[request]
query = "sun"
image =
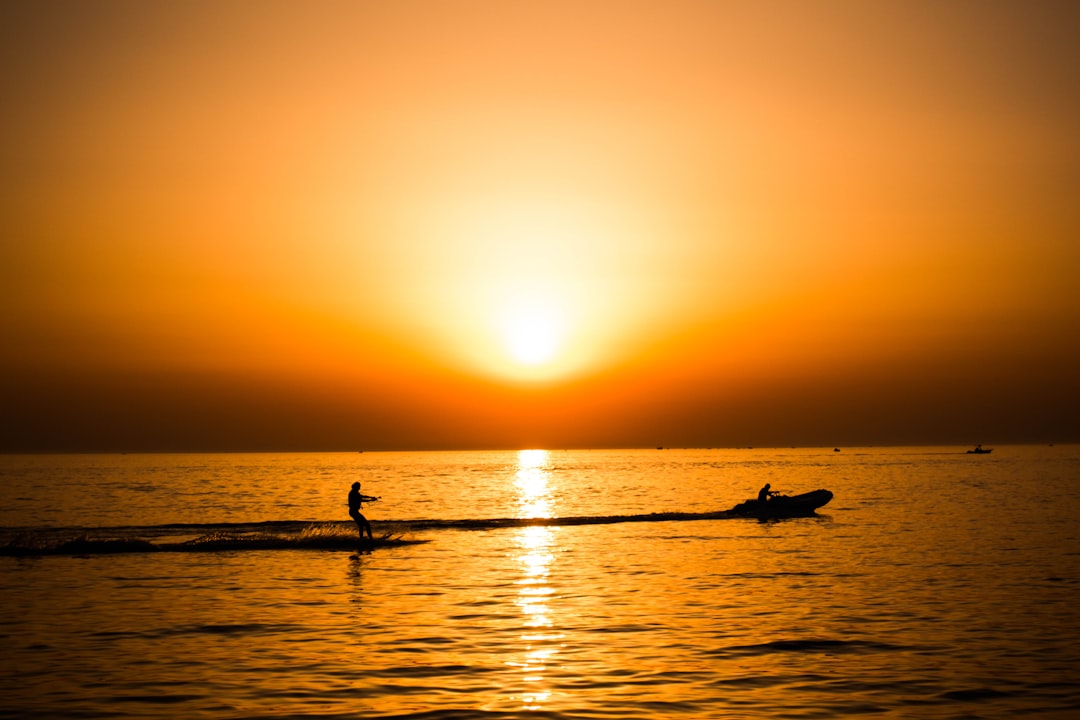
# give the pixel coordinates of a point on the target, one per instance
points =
(532, 334)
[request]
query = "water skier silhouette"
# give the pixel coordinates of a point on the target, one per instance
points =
(356, 501)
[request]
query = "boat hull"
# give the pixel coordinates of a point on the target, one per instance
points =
(783, 506)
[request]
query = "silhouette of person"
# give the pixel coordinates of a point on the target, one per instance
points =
(356, 501)
(765, 493)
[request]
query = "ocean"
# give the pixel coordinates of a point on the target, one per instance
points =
(935, 584)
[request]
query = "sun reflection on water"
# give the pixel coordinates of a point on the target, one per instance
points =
(534, 495)
(542, 642)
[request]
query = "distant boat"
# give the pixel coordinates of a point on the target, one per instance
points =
(978, 450)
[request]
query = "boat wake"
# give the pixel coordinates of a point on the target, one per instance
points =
(106, 541)
(497, 523)
(296, 535)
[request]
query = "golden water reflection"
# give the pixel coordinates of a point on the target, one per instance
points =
(536, 545)
(531, 480)
(542, 642)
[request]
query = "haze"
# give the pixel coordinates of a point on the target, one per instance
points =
(426, 225)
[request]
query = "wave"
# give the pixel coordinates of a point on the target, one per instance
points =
(285, 534)
(497, 523)
(102, 541)
(809, 646)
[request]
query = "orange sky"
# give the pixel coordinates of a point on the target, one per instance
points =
(410, 225)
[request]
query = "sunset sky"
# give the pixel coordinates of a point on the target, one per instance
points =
(426, 225)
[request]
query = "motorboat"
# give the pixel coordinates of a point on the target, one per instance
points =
(784, 506)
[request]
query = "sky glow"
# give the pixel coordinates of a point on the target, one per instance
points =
(420, 225)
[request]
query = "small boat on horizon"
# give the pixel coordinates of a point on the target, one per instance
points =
(978, 450)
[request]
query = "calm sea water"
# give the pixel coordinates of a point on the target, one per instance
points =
(935, 585)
